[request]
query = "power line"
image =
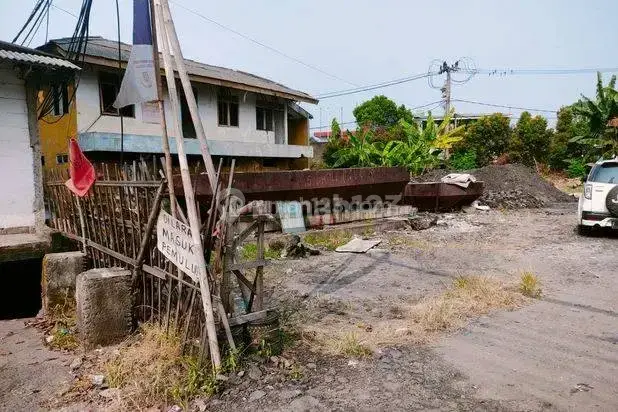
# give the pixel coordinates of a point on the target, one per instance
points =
(504, 106)
(506, 72)
(259, 43)
(64, 10)
(434, 104)
(373, 86)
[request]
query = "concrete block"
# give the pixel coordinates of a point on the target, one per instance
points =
(58, 274)
(104, 306)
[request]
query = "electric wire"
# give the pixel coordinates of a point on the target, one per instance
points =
(261, 44)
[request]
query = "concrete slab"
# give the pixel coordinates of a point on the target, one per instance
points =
(358, 245)
(24, 246)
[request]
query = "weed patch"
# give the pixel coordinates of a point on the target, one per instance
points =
(62, 335)
(529, 285)
(151, 370)
(249, 252)
(350, 346)
(329, 240)
(469, 296)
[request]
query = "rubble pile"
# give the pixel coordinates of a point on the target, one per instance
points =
(510, 186)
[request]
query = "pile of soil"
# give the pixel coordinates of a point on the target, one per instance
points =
(511, 186)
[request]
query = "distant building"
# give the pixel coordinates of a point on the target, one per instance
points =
(24, 72)
(459, 119)
(250, 118)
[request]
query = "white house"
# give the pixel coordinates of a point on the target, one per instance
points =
(244, 116)
(23, 72)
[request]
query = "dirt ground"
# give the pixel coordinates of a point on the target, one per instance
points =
(554, 353)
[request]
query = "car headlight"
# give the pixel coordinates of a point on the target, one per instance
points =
(588, 191)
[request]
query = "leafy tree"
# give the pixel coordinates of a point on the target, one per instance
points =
(335, 129)
(488, 137)
(530, 141)
(381, 111)
(562, 149)
(601, 139)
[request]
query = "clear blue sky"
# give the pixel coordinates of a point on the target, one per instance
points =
(367, 42)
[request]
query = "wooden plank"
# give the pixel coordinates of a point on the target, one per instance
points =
(160, 273)
(118, 183)
(102, 248)
(248, 265)
(244, 280)
(249, 317)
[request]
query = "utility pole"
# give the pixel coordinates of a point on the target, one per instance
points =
(446, 93)
(446, 89)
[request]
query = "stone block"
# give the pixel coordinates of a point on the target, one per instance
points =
(104, 305)
(58, 274)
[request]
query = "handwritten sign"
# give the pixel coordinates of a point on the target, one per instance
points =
(174, 240)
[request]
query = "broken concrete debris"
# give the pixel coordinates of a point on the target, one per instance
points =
(294, 248)
(422, 221)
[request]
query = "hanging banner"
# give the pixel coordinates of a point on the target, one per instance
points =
(139, 83)
(175, 242)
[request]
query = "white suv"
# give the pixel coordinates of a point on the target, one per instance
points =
(598, 207)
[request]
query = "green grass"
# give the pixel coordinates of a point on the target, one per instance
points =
(249, 252)
(352, 347)
(329, 240)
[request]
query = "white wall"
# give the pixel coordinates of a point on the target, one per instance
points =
(16, 164)
(88, 107)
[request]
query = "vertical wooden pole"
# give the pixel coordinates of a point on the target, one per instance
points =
(188, 191)
(160, 103)
(186, 85)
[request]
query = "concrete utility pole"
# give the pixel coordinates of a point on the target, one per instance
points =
(446, 89)
(446, 94)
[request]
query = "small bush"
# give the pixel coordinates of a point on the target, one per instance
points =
(464, 160)
(577, 168)
(529, 285)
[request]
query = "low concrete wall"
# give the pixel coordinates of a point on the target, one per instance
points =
(104, 305)
(58, 275)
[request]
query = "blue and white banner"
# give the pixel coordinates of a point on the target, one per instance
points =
(139, 83)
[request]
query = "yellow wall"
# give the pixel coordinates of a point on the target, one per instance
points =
(55, 132)
(298, 135)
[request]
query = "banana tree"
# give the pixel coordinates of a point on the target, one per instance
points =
(360, 152)
(602, 139)
(423, 147)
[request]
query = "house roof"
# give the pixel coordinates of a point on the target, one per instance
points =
(21, 54)
(105, 52)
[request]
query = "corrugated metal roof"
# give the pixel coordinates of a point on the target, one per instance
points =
(21, 54)
(108, 49)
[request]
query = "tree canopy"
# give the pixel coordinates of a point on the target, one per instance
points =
(381, 111)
